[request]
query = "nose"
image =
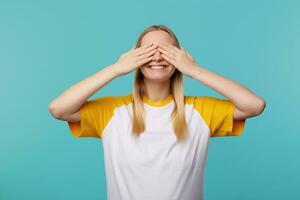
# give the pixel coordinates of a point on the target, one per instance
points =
(157, 56)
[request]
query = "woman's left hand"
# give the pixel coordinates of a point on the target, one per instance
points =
(180, 58)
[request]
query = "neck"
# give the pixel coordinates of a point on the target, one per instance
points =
(157, 91)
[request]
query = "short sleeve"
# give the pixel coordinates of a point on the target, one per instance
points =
(218, 115)
(94, 116)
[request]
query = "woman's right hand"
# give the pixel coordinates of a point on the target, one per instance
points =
(134, 58)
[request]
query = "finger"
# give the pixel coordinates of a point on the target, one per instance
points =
(169, 49)
(146, 46)
(150, 53)
(149, 45)
(189, 55)
(151, 48)
(172, 48)
(170, 60)
(138, 49)
(145, 49)
(183, 49)
(143, 61)
(169, 54)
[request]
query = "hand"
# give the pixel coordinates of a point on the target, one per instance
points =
(134, 58)
(180, 58)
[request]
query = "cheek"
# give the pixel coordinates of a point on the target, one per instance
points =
(172, 68)
(142, 70)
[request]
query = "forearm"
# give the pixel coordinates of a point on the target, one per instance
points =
(240, 96)
(75, 96)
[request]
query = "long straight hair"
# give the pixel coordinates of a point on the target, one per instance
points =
(179, 124)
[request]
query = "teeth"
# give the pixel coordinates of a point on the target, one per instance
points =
(157, 67)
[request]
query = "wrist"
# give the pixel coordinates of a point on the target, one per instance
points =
(114, 68)
(195, 70)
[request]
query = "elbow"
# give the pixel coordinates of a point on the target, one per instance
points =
(260, 106)
(255, 108)
(54, 111)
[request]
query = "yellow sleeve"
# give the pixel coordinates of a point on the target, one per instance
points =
(218, 115)
(94, 116)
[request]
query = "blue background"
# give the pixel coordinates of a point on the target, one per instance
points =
(47, 46)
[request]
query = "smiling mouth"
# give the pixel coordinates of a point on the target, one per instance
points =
(157, 67)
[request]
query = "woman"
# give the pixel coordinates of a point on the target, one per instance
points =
(155, 139)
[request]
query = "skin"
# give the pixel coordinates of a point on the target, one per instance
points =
(157, 81)
(67, 105)
(246, 103)
(156, 49)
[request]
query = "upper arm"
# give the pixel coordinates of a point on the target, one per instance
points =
(239, 115)
(221, 116)
(92, 117)
(75, 117)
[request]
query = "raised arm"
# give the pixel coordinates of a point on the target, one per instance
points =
(66, 106)
(247, 104)
(68, 103)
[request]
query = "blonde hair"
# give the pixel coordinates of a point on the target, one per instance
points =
(179, 124)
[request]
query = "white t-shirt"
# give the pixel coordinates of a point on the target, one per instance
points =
(154, 166)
